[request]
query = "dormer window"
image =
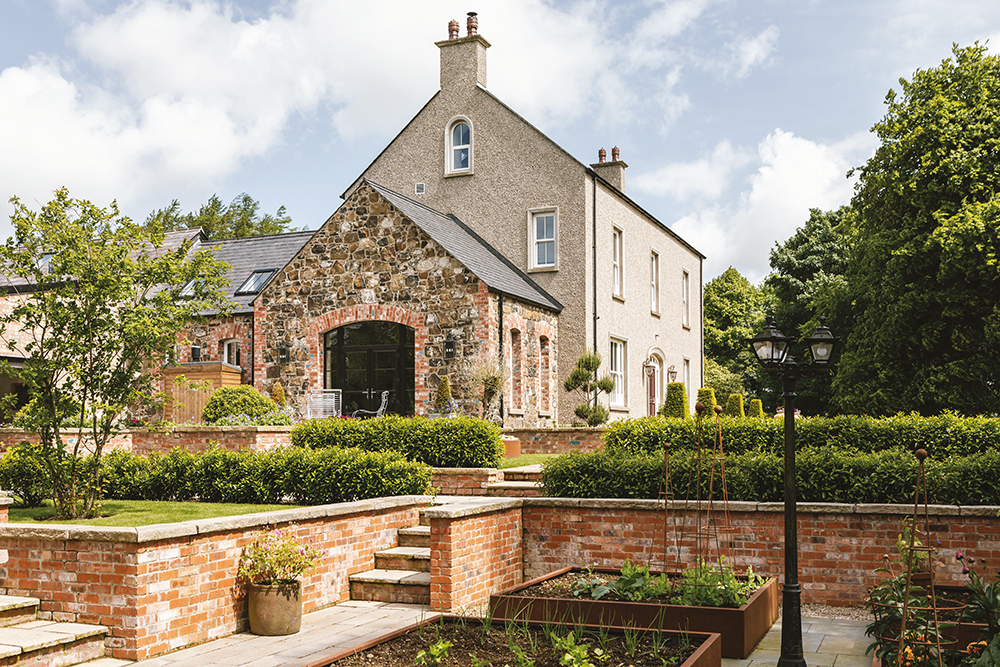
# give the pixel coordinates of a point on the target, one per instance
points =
(459, 158)
(256, 280)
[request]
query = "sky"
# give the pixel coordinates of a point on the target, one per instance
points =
(735, 117)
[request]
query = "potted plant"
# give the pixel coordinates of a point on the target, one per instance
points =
(982, 607)
(270, 567)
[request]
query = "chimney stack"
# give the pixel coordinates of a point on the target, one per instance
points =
(463, 59)
(613, 172)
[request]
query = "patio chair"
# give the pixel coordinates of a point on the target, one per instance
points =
(375, 413)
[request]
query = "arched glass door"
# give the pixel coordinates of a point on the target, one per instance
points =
(366, 358)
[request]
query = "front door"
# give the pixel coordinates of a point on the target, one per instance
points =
(365, 359)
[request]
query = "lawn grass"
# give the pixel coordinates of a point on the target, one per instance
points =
(525, 460)
(132, 513)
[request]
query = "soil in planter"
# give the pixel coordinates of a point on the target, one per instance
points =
(562, 587)
(494, 647)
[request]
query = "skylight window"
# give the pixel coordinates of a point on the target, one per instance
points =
(256, 280)
(188, 289)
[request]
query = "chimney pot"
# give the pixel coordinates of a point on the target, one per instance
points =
(472, 24)
(453, 29)
(614, 154)
(602, 155)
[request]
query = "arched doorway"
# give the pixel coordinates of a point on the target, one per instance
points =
(654, 380)
(364, 359)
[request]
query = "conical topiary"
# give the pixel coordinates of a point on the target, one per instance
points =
(734, 406)
(443, 394)
(706, 395)
(756, 409)
(278, 394)
(676, 403)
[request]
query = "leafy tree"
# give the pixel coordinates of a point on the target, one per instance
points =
(584, 378)
(240, 219)
(808, 280)
(721, 379)
(95, 302)
(924, 277)
(733, 312)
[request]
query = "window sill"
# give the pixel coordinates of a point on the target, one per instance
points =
(544, 413)
(518, 412)
(618, 408)
(453, 174)
(655, 313)
(619, 298)
(544, 269)
(686, 327)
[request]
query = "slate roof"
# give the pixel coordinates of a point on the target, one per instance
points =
(255, 253)
(470, 249)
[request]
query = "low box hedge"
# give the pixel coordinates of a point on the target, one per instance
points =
(823, 474)
(455, 442)
(942, 436)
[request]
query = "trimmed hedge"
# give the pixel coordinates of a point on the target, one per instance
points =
(823, 474)
(942, 436)
(23, 471)
(676, 402)
(237, 400)
(456, 442)
(309, 477)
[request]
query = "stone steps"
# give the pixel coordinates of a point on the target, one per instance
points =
(404, 586)
(26, 641)
(532, 473)
(417, 536)
(417, 559)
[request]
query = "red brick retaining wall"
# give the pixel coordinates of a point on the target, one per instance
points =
(839, 545)
(159, 588)
(463, 481)
(475, 551)
(558, 440)
(201, 437)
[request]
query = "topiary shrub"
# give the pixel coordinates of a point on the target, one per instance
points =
(23, 471)
(756, 410)
(443, 396)
(278, 394)
(706, 396)
(676, 402)
(239, 400)
(734, 406)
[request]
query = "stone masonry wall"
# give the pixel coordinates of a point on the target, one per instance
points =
(369, 262)
(159, 588)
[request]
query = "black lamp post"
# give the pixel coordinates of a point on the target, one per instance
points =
(771, 349)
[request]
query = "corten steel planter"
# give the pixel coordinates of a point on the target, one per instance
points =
(708, 653)
(275, 609)
(740, 628)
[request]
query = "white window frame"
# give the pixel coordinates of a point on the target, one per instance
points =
(654, 282)
(686, 377)
(686, 300)
(617, 278)
(450, 147)
(534, 241)
(231, 351)
(255, 281)
(617, 370)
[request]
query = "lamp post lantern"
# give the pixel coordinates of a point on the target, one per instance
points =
(771, 348)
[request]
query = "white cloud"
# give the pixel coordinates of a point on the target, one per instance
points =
(793, 175)
(747, 53)
(705, 177)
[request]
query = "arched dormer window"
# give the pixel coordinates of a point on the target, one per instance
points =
(459, 158)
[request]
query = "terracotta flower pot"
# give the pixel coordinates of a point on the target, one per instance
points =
(275, 609)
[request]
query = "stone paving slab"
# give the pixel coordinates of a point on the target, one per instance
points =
(825, 643)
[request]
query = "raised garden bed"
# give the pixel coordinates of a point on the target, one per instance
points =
(741, 628)
(493, 645)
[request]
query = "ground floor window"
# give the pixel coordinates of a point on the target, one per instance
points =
(616, 369)
(364, 359)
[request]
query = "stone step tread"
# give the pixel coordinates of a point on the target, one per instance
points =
(415, 530)
(512, 485)
(416, 553)
(36, 635)
(406, 577)
(8, 602)
(107, 662)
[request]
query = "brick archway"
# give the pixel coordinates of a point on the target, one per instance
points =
(341, 316)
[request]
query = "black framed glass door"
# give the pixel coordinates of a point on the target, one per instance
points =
(366, 358)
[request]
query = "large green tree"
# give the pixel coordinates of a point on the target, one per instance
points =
(807, 281)
(96, 306)
(924, 278)
(733, 312)
(239, 219)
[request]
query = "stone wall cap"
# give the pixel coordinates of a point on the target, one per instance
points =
(68, 532)
(464, 471)
(473, 506)
(980, 510)
(166, 531)
(619, 503)
(887, 508)
(551, 502)
(6, 500)
(770, 507)
(825, 508)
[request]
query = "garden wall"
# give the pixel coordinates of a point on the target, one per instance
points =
(463, 481)
(194, 438)
(557, 440)
(159, 588)
(839, 545)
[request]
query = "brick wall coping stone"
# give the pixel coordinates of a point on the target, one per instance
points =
(553, 429)
(465, 471)
(196, 428)
(6, 500)
(458, 507)
(156, 532)
(742, 506)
